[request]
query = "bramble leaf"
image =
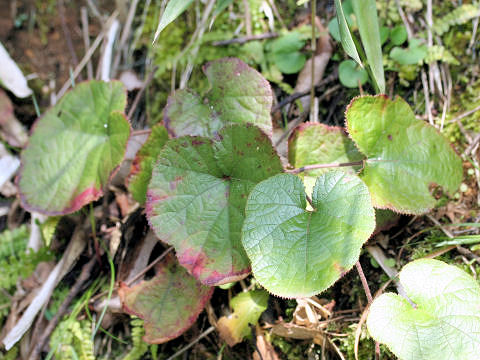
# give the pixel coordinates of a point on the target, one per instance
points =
(197, 195)
(443, 324)
(238, 94)
(247, 308)
(142, 165)
(74, 149)
(405, 156)
(299, 253)
(169, 303)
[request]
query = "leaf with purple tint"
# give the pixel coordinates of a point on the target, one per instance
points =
(238, 94)
(169, 303)
(196, 198)
(74, 149)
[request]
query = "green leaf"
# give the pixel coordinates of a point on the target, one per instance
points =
(286, 55)
(405, 156)
(247, 308)
(74, 149)
(444, 324)
(169, 303)
(345, 35)
(173, 10)
(384, 34)
(412, 55)
(238, 94)
(142, 165)
(314, 143)
(398, 35)
(299, 253)
(366, 14)
(350, 74)
(197, 196)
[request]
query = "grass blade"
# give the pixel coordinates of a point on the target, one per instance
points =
(345, 35)
(367, 20)
(173, 10)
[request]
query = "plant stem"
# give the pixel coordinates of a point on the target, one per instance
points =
(314, 48)
(364, 282)
(323, 166)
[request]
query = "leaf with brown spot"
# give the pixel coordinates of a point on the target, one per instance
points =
(197, 195)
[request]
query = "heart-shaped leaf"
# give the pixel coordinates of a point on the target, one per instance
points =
(142, 165)
(315, 143)
(405, 156)
(286, 53)
(299, 253)
(196, 198)
(74, 148)
(247, 308)
(238, 94)
(444, 323)
(169, 303)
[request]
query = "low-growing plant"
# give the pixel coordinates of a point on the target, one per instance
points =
(216, 190)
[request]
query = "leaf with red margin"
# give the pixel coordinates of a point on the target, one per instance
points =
(238, 94)
(74, 149)
(169, 303)
(196, 198)
(142, 165)
(405, 156)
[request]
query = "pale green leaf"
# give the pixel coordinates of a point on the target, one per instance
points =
(443, 323)
(299, 253)
(247, 308)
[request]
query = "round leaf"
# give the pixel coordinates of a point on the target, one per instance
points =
(238, 94)
(398, 35)
(350, 74)
(444, 324)
(169, 303)
(197, 195)
(142, 165)
(286, 53)
(405, 156)
(74, 148)
(299, 253)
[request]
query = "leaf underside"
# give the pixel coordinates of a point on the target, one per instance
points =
(443, 325)
(169, 303)
(405, 156)
(238, 94)
(74, 148)
(299, 253)
(197, 195)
